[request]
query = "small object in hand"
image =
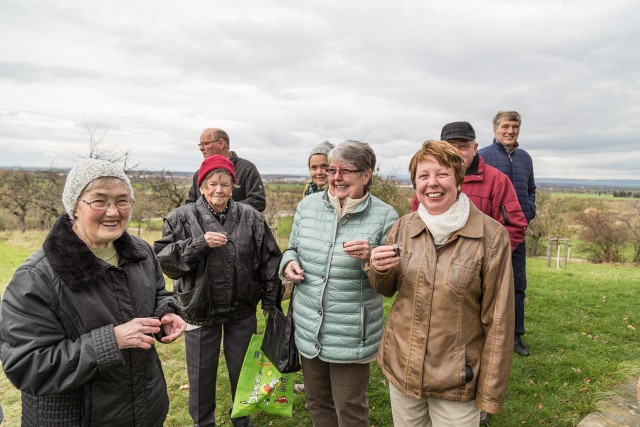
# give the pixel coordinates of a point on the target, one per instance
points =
(396, 249)
(153, 317)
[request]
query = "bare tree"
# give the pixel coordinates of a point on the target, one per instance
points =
(169, 189)
(604, 236)
(388, 189)
(18, 193)
(100, 148)
(281, 199)
(48, 202)
(632, 220)
(145, 209)
(553, 218)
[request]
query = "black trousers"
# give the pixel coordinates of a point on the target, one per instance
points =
(519, 263)
(203, 353)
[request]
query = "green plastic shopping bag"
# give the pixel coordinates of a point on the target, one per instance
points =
(261, 386)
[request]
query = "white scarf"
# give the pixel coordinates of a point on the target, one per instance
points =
(350, 204)
(443, 225)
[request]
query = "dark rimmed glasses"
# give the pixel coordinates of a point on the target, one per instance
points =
(204, 144)
(344, 172)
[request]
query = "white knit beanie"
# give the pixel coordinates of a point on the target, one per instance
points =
(323, 148)
(85, 171)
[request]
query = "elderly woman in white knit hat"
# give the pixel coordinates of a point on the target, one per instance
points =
(81, 315)
(318, 165)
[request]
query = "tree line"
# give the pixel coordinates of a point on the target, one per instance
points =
(628, 194)
(31, 199)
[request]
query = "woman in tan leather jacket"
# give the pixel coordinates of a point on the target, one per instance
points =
(447, 345)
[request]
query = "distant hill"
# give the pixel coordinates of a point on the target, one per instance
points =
(563, 183)
(605, 184)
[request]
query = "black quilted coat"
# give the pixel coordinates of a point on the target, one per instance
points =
(58, 343)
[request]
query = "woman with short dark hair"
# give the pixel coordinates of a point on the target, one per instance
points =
(447, 345)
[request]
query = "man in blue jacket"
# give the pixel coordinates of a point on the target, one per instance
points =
(506, 155)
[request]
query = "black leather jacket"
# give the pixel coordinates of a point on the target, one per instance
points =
(216, 285)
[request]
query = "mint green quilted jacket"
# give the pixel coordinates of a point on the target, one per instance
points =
(338, 316)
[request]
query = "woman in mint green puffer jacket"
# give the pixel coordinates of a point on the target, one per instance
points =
(338, 317)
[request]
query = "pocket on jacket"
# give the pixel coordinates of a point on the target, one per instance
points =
(405, 258)
(247, 290)
(510, 210)
(185, 297)
(463, 275)
(363, 323)
(193, 309)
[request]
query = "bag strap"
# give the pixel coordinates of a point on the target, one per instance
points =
(278, 303)
(290, 311)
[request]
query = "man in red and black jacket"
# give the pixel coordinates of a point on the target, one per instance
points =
(489, 189)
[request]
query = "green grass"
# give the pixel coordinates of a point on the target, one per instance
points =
(297, 187)
(582, 328)
(284, 230)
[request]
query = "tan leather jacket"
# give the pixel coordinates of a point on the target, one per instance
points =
(454, 309)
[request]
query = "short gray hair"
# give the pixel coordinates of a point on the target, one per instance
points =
(506, 115)
(359, 154)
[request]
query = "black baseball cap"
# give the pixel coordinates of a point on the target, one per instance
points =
(458, 130)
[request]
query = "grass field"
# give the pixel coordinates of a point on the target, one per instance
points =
(582, 329)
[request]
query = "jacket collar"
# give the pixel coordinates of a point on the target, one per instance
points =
(234, 159)
(472, 229)
(476, 170)
(230, 221)
(359, 208)
(74, 262)
(473, 167)
(502, 147)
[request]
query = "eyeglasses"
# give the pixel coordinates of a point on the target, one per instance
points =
(344, 172)
(103, 205)
(206, 143)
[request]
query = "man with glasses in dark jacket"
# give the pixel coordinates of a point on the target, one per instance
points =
(249, 189)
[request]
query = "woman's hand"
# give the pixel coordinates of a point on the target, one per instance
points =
(293, 272)
(137, 333)
(173, 326)
(384, 258)
(360, 249)
(215, 239)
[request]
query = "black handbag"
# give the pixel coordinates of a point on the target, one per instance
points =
(279, 343)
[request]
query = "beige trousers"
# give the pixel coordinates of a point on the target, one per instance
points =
(431, 412)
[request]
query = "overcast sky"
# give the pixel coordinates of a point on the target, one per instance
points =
(281, 76)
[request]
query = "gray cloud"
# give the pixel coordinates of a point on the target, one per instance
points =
(282, 76)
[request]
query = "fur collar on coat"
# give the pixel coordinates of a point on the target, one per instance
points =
(74, 262)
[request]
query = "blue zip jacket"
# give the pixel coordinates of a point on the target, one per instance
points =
(518, 166)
